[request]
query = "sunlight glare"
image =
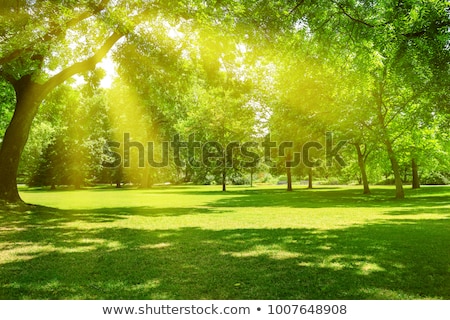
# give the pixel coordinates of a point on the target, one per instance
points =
(109, 66)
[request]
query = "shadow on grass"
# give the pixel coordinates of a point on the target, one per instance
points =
(320, 197)
(35, 216)
(49, 259)
(323, 197)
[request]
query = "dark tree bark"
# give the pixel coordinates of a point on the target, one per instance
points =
(399, 192)
(415, 174)
(28, 98)
(310, 178)
(288, 171)
(362, 167)
(224, 179)
(289, 178)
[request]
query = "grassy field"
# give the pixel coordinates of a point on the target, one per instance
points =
(249, 243)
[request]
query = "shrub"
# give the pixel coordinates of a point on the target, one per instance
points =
(436, 178)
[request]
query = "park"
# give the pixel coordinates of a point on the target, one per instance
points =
(224, 150)
(197, 242)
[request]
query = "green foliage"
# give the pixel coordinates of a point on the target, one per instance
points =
(7, 102)
(67, 140)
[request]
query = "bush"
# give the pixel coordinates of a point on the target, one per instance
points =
(332, 182)
(266, 178)
(239, 179)
(436, 178)
(387, 182)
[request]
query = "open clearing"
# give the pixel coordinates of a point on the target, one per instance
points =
(190, 242)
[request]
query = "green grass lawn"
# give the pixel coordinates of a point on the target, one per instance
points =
(248, 243)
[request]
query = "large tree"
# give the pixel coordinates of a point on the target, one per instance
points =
(401, 50)
(33, 46)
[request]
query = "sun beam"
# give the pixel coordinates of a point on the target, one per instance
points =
(109, 66)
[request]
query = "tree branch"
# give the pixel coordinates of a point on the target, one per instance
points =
(82, 66)
(434, 27)
(57, 31)
(366, 154)
(413, 34)
(353, 18)
(297, 6)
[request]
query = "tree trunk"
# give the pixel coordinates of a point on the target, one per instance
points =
(399, 192)
(289, 178)
(145, 181)
(118, 176)
(53, 182)
(362, 168)
(289, 171)
(310, 178)
(224, 180)
(27, 103)
(415, 174)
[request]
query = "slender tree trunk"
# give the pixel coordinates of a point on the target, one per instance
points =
(118, 176)
(362, 168)
(310, 178)
(415, 174)
(27, 103)
(399, 192)
(224, 180)
(288, 171)
(251, 177)
(187, 174)
(289, 178)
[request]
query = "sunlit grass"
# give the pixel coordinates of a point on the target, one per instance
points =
(192, 242)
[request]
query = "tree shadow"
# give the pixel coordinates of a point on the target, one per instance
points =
(402, 259)
(30, 217)
(330, 197)
(321, 197)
